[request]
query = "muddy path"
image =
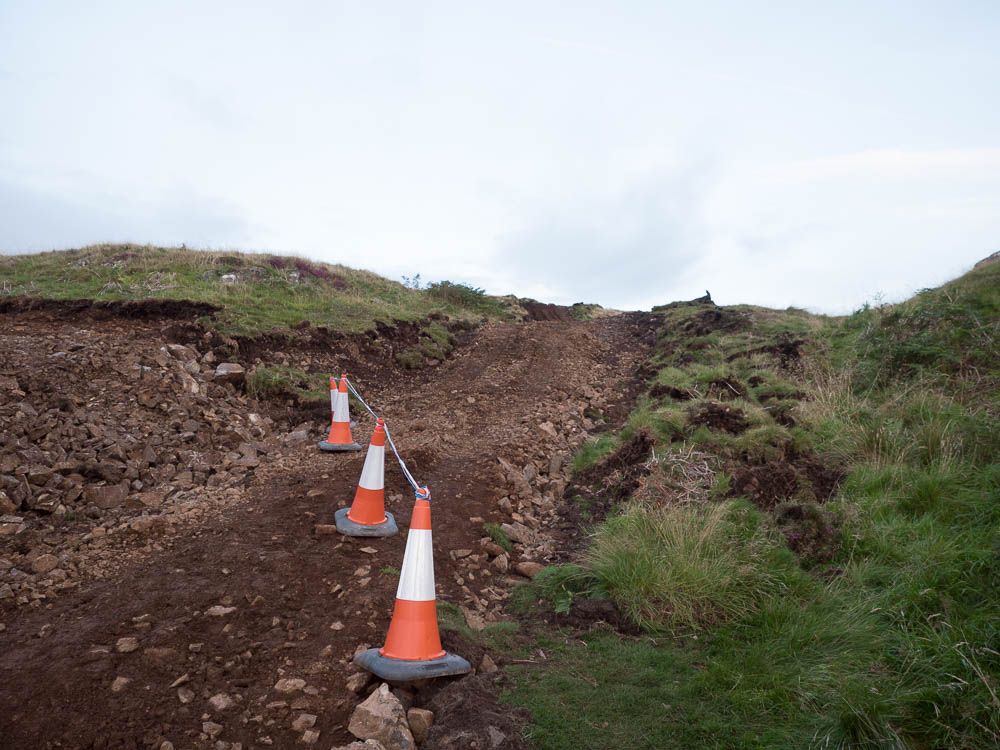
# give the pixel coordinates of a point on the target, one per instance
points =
(188, 636)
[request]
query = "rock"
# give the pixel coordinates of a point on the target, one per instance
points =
(152, 499)
(555, 464)
(212, 729)
(219, 611)
(325, 529)
(221, 702)
(474, 620)
(358, 682)
(110, 496)
(6, 504)
(528, 569)
(310, 736)
(180, 352)
(381, 718)
(185, 695)
(127, 645)
(420, 720)
(6, 592)
(549, 429)
(230, 372)
(487, 665)
(496, 736)
(304, 722)
(458, 554)
(295, 438)
(366, 745)
(518, 532)
(289, 685)
(119, 684)
(44, 563)
(501, 563)
(530, 471)
(506, 506)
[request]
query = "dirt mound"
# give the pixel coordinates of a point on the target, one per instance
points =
(717, 319)
(719, 417)
(787, 351)
(769, 483)
(82, 310)
(586, 614)
(544, 311)
(661, 390)
(726, 389)
(618, 474)
(467, 715)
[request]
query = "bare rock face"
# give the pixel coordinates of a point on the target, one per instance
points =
(230, 372)
(381, 717)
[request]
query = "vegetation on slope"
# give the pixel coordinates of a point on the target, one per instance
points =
(803, 518)
(257, 292)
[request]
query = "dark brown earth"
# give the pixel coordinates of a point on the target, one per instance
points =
(218, 565)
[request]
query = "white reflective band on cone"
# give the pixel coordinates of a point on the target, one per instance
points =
(373, 475)
(416, 582)
(333, 399)
(341, 408)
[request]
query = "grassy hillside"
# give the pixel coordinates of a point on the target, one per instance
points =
(802, 519)
(258, 292)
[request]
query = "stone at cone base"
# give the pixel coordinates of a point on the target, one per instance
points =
(420, 721)
(347, 527)
(381, 717)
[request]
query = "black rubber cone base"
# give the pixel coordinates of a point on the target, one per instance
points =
(337, 447)
(405, 671)
(346, 526)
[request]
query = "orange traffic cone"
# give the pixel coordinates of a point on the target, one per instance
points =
(340, 419)
(412, 649)
(368, 516)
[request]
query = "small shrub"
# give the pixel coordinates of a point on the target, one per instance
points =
(561, 584)
(498, 535)
(683, 567)
(411, 359)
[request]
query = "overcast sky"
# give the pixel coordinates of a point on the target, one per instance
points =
(626, 153)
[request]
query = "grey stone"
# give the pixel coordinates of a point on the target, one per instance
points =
(381, 717)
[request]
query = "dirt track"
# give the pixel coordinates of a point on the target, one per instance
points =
(303, 602)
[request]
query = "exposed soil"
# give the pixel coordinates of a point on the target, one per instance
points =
(787, 351)
(99, 310)
(545, 311)
(797, 476)
(660, 390)
(718, 416)
(716, 319)
(228, 585)
(726, 389)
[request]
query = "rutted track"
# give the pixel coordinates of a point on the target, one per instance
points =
(303, 603)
